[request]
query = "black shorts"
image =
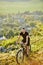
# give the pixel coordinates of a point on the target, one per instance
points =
(28, 44)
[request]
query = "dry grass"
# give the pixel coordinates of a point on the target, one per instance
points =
(10, 59)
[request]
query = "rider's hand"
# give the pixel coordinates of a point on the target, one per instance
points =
(26, 43)
(21, 43)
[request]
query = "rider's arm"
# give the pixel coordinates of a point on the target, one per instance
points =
(27, 39)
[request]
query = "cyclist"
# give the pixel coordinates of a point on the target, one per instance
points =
(26, 39)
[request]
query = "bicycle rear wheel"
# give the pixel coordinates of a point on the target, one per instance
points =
(20, 57)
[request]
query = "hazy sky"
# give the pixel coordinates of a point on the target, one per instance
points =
(15, 0)
(21, 0)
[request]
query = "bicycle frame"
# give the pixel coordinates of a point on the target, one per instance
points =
(22, 51)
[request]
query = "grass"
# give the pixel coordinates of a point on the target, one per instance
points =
(35, 59)
(37, 46)
(34, 46)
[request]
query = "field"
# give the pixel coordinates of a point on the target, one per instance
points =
(20, 7)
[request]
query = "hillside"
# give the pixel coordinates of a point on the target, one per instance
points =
(14, 22)
(15, 15)
(7, 59)
(10, 58)
(10, 28)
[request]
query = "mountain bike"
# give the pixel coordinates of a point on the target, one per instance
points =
(21, 53)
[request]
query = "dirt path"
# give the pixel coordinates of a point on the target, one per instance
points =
(35, 59)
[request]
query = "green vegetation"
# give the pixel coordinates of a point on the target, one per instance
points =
(10, 28)
(14, 16)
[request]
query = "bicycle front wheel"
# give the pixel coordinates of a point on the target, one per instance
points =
(20, 57)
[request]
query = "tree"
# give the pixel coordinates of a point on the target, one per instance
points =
(10, 34)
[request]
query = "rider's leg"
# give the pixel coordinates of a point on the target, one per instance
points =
(27, 50)
(28, 47)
